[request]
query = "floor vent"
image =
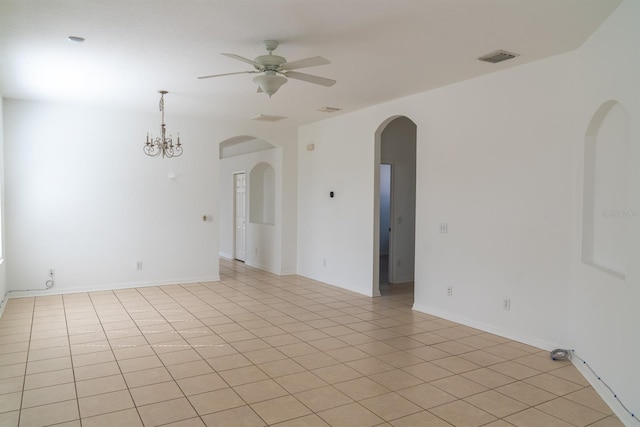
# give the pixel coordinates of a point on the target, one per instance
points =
(498, 56)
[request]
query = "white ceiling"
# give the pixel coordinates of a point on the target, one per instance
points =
(379, 49)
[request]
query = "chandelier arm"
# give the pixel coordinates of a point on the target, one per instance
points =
(151, 150)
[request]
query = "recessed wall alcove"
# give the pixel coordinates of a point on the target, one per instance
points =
(262, 185)
(605, 189)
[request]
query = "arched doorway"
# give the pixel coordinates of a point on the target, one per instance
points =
(247, 197)
(395, 203)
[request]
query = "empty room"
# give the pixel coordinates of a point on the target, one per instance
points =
(319, 213)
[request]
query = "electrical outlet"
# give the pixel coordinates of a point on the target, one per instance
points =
(506, 304)
(449, 291)
(52, 272)
(139, 265)
(444, 228)
(324, 262)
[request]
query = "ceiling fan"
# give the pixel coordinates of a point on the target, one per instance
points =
(271, 65)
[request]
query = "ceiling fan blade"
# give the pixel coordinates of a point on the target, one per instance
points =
(228, 74)
(243, 59)
(303, 63)
(309, 78)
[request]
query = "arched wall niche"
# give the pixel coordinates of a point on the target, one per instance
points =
(262, 194)
(605, 189)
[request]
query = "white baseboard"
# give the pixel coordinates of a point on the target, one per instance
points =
(605, 394)
(288, 272)
(402, 279)
(259, 266)
(269, 269)
(113, 286)
(598, 386)
(533, 341)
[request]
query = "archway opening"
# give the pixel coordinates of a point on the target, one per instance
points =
(248, 171)
(395, 205)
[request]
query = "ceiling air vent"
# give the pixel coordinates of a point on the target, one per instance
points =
(329, 109)
(266, 118)
(498, 56)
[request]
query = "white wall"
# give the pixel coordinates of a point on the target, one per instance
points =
(497, 159)
(289, 207)
(497, 175)
(494, 163)
(603, 313)
(335, 235)
(264, 241)
(82, 198)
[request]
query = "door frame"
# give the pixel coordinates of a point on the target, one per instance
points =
(235, 205)
(391, 259)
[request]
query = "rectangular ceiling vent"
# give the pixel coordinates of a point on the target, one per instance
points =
(498, 56)
(329, 109)
(266, 118)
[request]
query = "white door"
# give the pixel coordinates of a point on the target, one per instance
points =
(240, 184)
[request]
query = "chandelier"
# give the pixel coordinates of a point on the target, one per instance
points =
(162, 144)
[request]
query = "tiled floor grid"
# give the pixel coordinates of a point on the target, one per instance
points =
(257, 349)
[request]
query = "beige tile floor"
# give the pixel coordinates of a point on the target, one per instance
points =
(257, 349)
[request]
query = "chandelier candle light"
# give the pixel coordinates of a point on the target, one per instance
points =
(162, 144)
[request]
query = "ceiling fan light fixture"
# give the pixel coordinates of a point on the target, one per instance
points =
(269, 83)
(274, 67)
